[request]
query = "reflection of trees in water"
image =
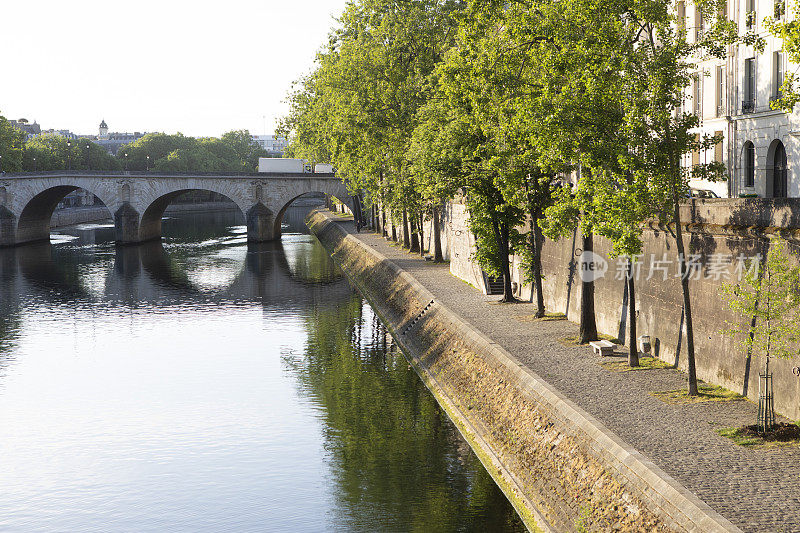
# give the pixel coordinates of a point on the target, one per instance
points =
(397, 461)
(308, 260)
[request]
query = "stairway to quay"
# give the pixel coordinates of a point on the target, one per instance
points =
(576, 444)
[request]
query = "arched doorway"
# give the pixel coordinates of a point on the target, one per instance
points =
(777, 174)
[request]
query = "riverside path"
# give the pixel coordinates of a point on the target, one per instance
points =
(758, 490)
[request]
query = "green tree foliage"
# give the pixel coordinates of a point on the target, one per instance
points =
(246, 149)
(358, 108)
(11, 146)
(788, 31)
(234, 152)
(54, 152)
(504, 101)
(768, 304)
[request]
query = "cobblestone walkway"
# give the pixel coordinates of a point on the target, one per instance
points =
(756, 489)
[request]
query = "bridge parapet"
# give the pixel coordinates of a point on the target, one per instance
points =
(137, 200)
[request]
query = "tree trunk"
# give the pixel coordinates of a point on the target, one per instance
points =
(500, 231)
(633, 349)
(687, 304)
(383, 221)
(508, 293)
(536, 240)
(421, 235)
(588, 326)
(414, 235)
(437, 237)
(406, 230)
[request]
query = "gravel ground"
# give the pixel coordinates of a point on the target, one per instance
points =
(756, 489)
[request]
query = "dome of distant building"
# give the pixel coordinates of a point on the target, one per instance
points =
(103, 124)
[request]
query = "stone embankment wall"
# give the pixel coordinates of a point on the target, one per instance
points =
(81, 215)
(78, 215)
(560, 468)
(716, 231)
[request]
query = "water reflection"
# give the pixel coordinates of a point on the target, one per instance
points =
(204, 384)
(397, 460)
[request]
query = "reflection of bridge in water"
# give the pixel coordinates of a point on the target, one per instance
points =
(268, 273)
(136, 201)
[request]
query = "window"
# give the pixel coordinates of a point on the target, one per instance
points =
(749, 164)
(681, 16)
(696, 151)
(777, 75)
(720, 91)
(697, 94)
(718, 155)
(779, 8)
(750, 14)
(698, 24)
(749, 103)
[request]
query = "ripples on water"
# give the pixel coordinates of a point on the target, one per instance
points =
(204, 385)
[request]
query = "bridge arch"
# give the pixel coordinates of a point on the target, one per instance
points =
(33, 222)
(150, 221)
(288, 203)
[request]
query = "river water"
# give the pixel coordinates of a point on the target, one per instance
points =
(204, 385)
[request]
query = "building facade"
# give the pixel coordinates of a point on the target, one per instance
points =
(275, 144)
(732, 98)
(113, 141)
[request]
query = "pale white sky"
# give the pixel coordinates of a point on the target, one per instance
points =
(200, 67)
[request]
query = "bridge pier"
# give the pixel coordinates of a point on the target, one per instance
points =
(126, 225)
(260, 224)
(8, 225)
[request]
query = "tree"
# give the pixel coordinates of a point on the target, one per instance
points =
(55, 152)
(788, 32)
(657, 71)
(143, 153)
(769, 304)
(11, 146)
(246, 149)
(359, 106)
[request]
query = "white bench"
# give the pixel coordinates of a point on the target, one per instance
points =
(603, 347)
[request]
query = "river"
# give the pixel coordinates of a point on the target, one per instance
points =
(206, 385)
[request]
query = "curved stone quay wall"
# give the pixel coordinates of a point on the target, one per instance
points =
(560, 468)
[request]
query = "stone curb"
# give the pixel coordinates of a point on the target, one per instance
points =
(664, 495)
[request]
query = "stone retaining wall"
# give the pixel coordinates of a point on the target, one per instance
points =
(560, 468)
(721, 228)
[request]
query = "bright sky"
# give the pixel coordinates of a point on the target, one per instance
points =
(199, 67)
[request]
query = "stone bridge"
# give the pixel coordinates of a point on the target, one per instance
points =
(137, 200)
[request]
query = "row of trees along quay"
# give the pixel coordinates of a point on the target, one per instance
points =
(235, 151)
(553, 115)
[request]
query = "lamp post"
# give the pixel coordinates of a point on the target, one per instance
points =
(126, 161)
(69, 154)
(147, 167)
(1, 163)
(34, 164)
(88, 166)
